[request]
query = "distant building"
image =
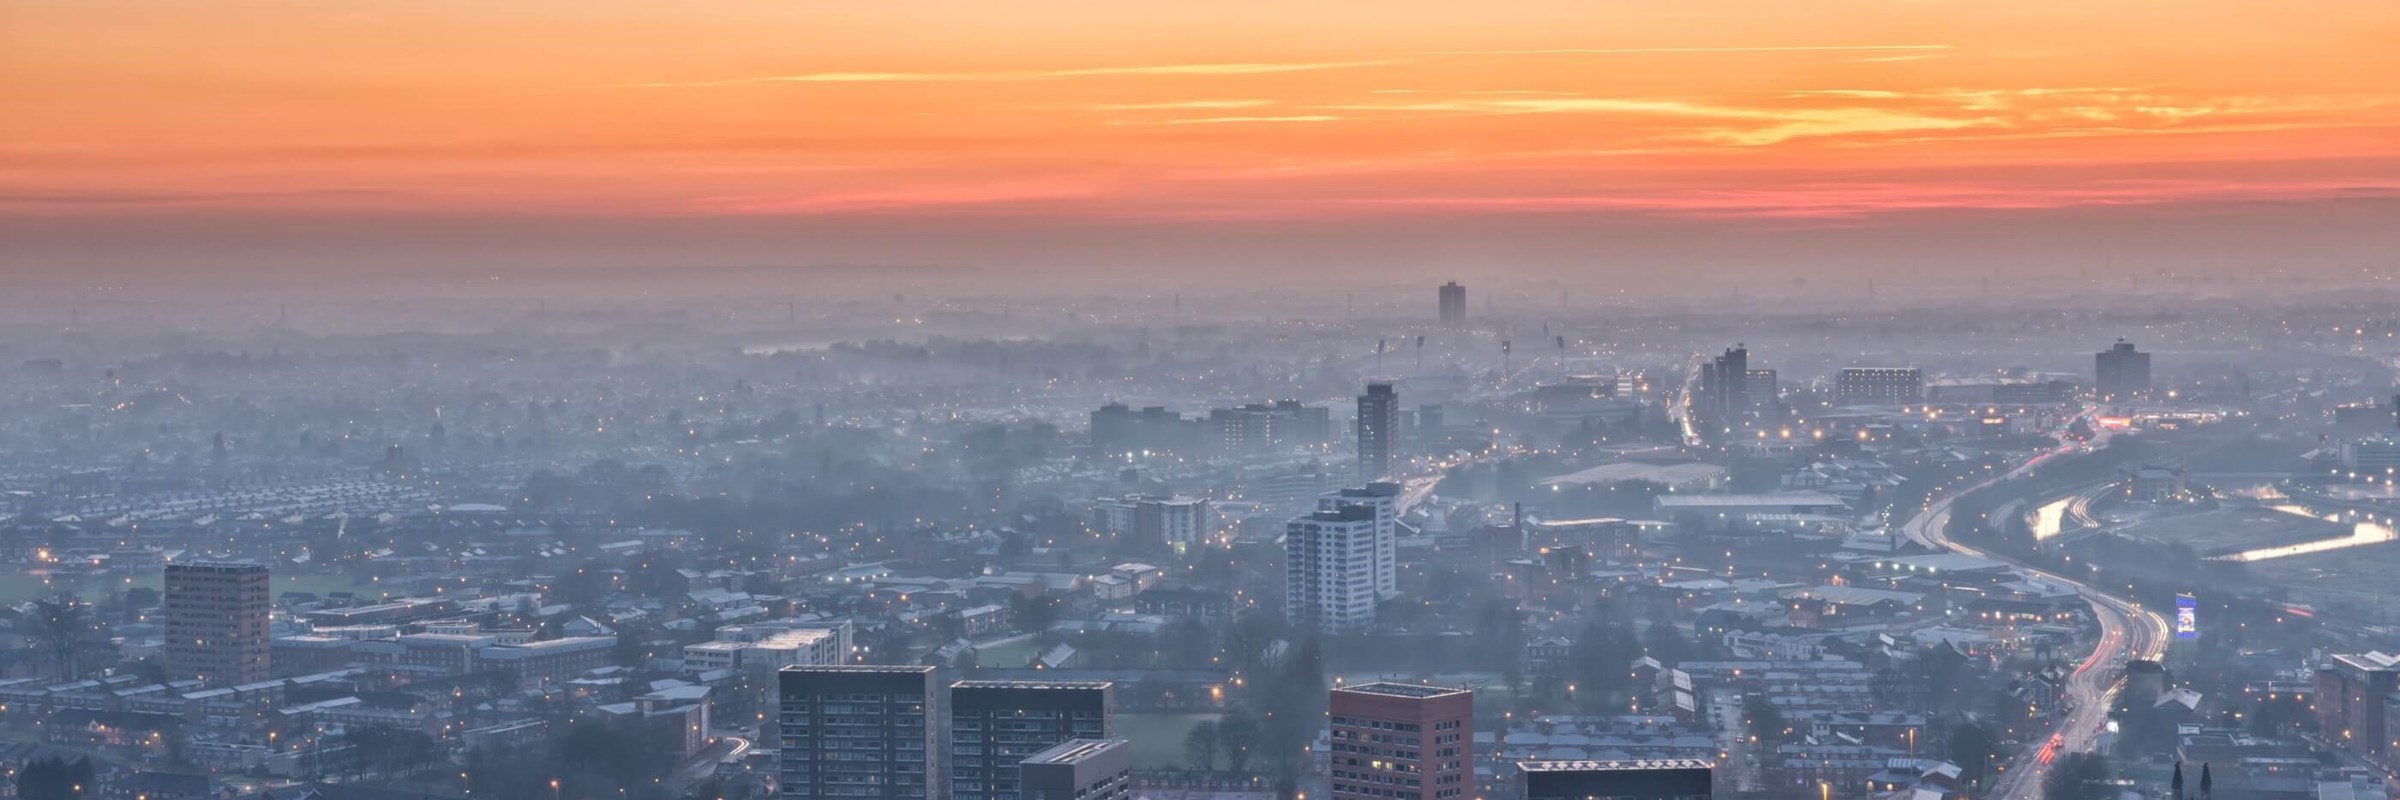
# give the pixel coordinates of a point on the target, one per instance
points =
(1118, 431)
(1174, 520)
(1432, 429)
(1402, 740)
(677, 714)
(2371, 453)
(216, 626)
(1453, 304)
(1329, 565)
(2121, 372)
(1382, 497)
(1878, 386)
(2156, 483)
(2351, 698)
(1378, 430)
(996, 724)
(1262, 427)
(1760, 390)
(857, 731)
(1078, 769)
(1659, 779)
(768, 647)
(1724, 388)
(1793, 511)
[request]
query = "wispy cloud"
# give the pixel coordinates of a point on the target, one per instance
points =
(1613, 51)
(1777, 125)
(1179, 105)
(1021, 76)
(1243, 68)
(1237, 120)
(1863, 94)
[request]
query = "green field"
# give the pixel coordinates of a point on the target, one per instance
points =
(1157, 739)
(20, 587)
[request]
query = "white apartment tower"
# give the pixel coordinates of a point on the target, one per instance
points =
(1329, 565)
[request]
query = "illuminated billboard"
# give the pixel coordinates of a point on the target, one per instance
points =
(2187, 617)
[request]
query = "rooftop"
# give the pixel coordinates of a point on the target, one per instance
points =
(1074, 750)
(994, 684)
(1403, 690)
(1606, 766)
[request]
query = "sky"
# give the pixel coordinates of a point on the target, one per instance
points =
(1139, 135)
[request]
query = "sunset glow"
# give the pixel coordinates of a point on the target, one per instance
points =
(1048, 113)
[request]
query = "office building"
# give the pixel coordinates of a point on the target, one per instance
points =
(1454, 305)
(1383, 498)
(857, 732)
(1878, 386)
(216, 626)
(1651, 779)
(1329, 566)
(1402, 740)
(996, 724)
(2121, 372)
(1078, 769)
(1378, 430)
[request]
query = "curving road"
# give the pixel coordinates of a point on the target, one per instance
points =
(2127, 631)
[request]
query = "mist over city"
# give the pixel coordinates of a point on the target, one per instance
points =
(1535, 400)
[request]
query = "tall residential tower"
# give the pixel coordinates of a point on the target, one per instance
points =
(1378, 431)
(1402, 740)
(217, 622)
(857, 732)
(996, 724)
(1454, 305)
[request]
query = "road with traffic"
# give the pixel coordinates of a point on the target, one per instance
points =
(2127, 631)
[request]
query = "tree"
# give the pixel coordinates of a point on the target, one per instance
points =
(55, 779)
(1600, 655)
(1766, 721)
(1972, 749)
(2078, 776)
(1200, 747)
(1665, 642)
(1236, 734)
(63, 630)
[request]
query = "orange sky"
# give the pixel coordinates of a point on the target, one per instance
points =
(1032, 113)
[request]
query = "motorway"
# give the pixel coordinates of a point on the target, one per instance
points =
(2127, 631)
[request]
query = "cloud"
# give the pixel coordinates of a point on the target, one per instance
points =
(1240, 68)
(1612, 51)
(1175, 105)
(1020, 76)
(1864, 94)
(1779, 125)
(98, 198)
(1231, 120)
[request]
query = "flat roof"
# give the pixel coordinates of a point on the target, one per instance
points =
(857, 669)
(1403, 689)
(1074, 750)
(1614, 765)
(1006, 684)
(218, 566)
